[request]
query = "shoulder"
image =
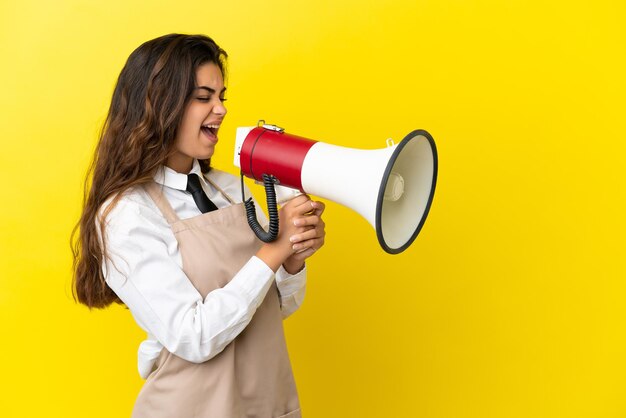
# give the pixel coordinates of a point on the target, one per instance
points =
(131, 209)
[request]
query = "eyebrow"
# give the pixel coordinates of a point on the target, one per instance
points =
(210, 90)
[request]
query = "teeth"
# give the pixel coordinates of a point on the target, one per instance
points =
(211, 126)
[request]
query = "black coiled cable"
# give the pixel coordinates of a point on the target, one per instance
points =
(272, 209)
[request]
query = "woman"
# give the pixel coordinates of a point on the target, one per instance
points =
(209, 294)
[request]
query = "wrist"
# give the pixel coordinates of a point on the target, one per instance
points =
(272, 256)
(293, 266)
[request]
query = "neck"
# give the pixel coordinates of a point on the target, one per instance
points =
(180, 163)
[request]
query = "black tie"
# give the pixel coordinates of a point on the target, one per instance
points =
(202, 201)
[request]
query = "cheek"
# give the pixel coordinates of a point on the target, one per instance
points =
(189, 130)
(192, 121)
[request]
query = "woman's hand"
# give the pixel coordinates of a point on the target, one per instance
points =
(309, 239)
(299, 221)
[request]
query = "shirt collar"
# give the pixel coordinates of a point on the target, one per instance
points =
(170, 178)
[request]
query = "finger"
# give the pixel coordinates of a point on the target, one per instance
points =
(305, 207)
(312, 220)
(304, 254)
(302, 229)
(318, 207)
(311, 233)
(297, 201)
(314, 243)
(307, 222)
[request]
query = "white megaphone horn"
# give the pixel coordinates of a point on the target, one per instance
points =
(391, 187)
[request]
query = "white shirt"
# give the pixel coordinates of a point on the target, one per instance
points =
(145, 271)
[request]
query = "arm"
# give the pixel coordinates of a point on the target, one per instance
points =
(306, 239)
(162, 299)
(146, 277)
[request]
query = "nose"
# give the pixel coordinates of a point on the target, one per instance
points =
(219, 108)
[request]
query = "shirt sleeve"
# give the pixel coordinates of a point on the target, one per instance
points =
(164, 302)
(291, 288)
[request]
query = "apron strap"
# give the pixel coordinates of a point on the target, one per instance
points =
(219, 189)
(156, 193)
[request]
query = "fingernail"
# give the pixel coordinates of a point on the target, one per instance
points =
(297, 222)
(296, 247)
(292, 238)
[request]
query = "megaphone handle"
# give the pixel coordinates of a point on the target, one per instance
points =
(272, 210)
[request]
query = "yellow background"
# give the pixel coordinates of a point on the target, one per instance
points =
(509, 304)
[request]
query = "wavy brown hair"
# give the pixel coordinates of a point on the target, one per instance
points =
(137, 137)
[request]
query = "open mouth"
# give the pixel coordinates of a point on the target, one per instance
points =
(210, 130)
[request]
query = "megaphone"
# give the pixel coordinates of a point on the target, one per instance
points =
(391, 187)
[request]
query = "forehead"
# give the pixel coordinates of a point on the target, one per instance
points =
(209, 75)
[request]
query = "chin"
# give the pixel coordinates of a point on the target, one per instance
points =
(204, 155)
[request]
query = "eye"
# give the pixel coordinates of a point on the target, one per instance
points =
(206, 99)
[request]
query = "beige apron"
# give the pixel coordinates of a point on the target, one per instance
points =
(252, 376)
